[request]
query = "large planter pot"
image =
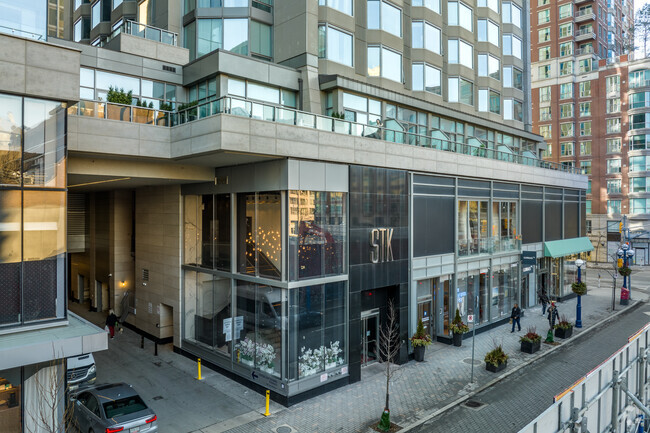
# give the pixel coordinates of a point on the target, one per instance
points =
(529, 347)
(458, 339)
(563, 333)
(498, 368)
(418, 351)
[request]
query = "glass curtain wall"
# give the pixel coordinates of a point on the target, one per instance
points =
(472, 227)
(505, 290)
(32, 210)
(504, 224)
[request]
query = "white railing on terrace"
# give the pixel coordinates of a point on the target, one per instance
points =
(21, 33)
(289, 116)
(490, 245)
(147, 32)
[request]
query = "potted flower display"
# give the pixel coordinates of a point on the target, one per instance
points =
(579, 288)
(420, 340)
(265, 355)
(458, 328)
(564, 328)
(332, 353)
(625, 271)
(496, 360)
(531, 342)
(246, 349)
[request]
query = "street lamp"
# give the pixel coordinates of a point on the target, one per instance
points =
(625, 252)
(629, 255)
(579, 264)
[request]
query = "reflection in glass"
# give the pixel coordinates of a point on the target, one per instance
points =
(259, 341)
(236, 35)
(207, 231)
(44, 238)
(317, 234)
(29, 17)
(317, 329)
(10, 138)
(44, 154)
(10, 256)
(10, 398)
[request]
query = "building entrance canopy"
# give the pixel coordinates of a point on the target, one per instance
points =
(567, 247)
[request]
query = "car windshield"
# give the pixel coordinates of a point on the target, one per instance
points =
(124, 406)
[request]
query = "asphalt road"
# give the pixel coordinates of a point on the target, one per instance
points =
(515, 401)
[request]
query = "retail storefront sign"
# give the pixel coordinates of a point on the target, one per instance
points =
(381, 248)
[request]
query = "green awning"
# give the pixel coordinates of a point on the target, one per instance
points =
(567, 247)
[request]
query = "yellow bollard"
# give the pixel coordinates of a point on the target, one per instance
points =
(199, 366)
(268, 397)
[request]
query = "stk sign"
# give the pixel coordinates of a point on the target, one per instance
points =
(381, 248)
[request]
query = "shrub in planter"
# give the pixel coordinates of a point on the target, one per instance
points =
(119, 96)
(531, 342)
(458, 328)
(625, 271)
(496, 359)
(420, 340)
(579, 289)
(564, 328)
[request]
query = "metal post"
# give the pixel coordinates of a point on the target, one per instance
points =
(142, 342)
(579, 305)
(155, 349)
(615, 390)
(471, 380)
(641, 374)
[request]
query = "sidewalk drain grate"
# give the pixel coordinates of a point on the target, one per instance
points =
(284, 429)
(158, 397)
(469, 361)
(473, 404)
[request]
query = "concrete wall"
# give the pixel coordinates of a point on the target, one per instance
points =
(122, 263)
(138, 46)
(158, 250)
(38, 69)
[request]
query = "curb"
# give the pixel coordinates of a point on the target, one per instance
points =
(493, 382)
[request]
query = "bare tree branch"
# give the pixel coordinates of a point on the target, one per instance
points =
(389, 347)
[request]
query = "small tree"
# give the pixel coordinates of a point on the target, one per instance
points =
(642, 28)
(119, 96)
(49, 411)
(389, 348)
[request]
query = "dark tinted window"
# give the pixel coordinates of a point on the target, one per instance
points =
(124, 406)
(91, 403)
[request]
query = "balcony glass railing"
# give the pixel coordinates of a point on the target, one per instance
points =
(125, 113)
(584, 12)
(147, 32)
(639, 83)
(493, 245)
(289, 116)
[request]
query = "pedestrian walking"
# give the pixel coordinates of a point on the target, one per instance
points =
(111, 320)
(552, 316)
(543, 298)
(515, 315)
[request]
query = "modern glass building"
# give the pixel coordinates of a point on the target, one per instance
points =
(285, 169)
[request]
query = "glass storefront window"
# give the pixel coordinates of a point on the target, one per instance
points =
(11, 123)
(505, 290)
(44, 243)
(258, 327)
(317, 318)
(207, 231)
(44, 163)
(259, 234)
(10, 401)
(10, 255)
(472, 227)
(317, 234)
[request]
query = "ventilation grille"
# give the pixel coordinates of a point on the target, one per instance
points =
(169, 68)
(145, 275)
(76, 214)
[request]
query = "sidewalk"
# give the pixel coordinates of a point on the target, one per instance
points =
(423, 388)
(219, 404)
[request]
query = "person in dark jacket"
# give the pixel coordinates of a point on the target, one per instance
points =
(553, 315)
(111, 320)
(543, 298)
(514, 317)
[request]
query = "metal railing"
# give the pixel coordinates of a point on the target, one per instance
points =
(289, 116)
(146, 32)
(125, 113)
(584, 32)
(491, 245)
(608, 399)
(586, 50)
(639, 83)
(21, 33)
(584, 12)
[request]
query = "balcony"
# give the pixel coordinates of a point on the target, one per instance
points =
(584, 15)
(146, 32)
(493, 245)
(580, 1)
(585, 34)
(584, 51)
(635, 84)
(288, 116)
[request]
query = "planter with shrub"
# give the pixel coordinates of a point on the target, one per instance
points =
(531, 342)
(420, 340)
(496, 360)
(458, 328)
(564, 328)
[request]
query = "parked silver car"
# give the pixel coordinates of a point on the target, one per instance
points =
(111, 409)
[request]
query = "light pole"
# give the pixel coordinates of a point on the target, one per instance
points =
(630, 255)
(579, 264)
(625, 252)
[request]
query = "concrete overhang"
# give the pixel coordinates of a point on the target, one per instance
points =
(39, 69)
(225, 62)
(330, 82)
(73, 337)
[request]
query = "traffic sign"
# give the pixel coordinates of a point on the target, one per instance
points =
(470, 318)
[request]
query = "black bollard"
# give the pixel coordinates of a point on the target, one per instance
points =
(155, 349)
(142, 342)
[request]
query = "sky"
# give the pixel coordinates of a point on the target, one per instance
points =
(639, 3)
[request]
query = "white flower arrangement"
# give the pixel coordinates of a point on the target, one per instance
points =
(246, 349)
(311, 360)
(265, 354)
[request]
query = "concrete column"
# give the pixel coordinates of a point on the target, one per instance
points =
(122, 263)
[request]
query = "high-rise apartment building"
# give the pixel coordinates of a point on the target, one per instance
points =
(275, 172)
(579, 90)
